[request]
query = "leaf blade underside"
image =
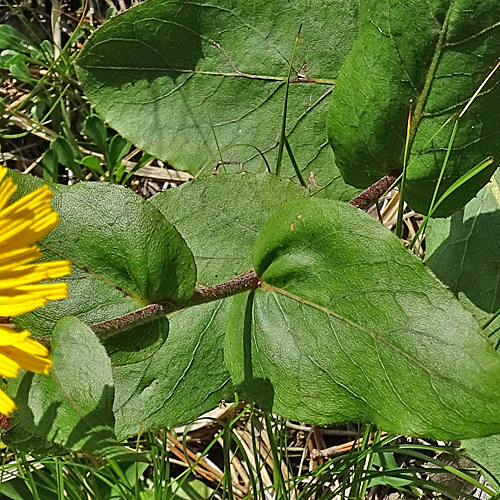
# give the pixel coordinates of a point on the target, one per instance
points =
(349, 326)
(177, 82)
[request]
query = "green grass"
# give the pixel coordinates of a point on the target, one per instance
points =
(381, 463)
(42, 101)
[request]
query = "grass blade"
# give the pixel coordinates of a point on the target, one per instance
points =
(285, 106)
(467, 176)
(294, 163)
(399, 223)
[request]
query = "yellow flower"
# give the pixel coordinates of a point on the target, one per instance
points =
(22, 225)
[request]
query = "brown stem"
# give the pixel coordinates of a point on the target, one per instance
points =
(241, 283)
(373, 193)
(136, 318)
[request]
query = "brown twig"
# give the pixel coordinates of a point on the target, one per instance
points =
(202, 467)
(241, 283)
(136, 318)
(373, 193)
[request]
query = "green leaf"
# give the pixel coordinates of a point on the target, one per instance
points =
(94, 129)
(72, 406)
(434, 54)
(50, 165)
(395, 476)
(348, 325)
(220, 216)
(174, 80)
(115, 236)
(9, 59)
(136, 344)
(93, 163)
(463, 251)
(487, 452)
(192, 489)
(19, 69)
(67, 155)
(17, 489)
(118, 149)
(184, 378)
(117, 242)
(12, 39)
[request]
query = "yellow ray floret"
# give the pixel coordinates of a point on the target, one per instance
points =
(22, 225)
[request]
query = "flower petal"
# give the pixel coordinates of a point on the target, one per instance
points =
(25, 359)
(17, 301)
(7, 406)
(8, 367)
(27, 275)
(18, 257)
(7, 189)
(22, 225)
(8, 336)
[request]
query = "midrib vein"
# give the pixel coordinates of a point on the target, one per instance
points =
(269, 78)
(422, 99)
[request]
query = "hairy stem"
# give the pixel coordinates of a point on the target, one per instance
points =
(373, 193)
(241, 283)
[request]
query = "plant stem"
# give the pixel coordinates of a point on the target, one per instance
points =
(136, 318)
(374, 192)
(239, 284)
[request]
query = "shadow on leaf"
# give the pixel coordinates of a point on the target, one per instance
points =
(468, 260)
(258, 389)
(47, 421)
(136, 344)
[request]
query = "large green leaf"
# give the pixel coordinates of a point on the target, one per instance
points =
(464, 251)
(73, 406)
(348, 325)
(124, 254)
(166, 377)
(219, 217)
(184, 378)
(117, 236)
(185, 80)
(435, 53)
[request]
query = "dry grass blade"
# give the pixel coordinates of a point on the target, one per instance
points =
(334, 451)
